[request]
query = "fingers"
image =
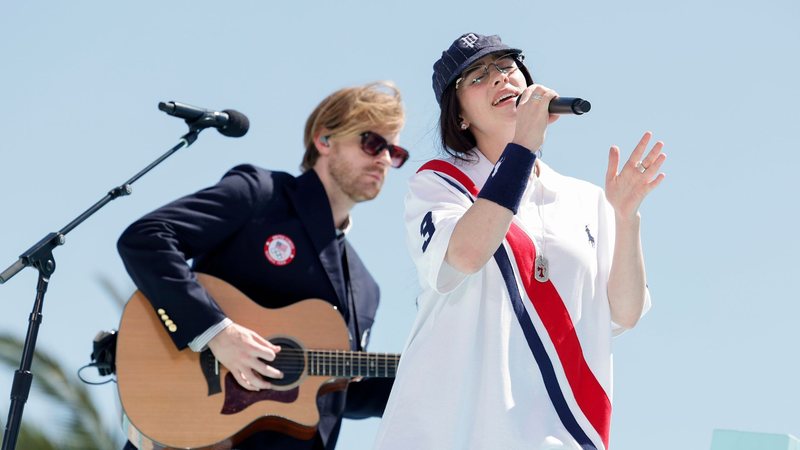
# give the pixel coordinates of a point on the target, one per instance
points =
(251, 381)
(654, 165)
(653, 155)
(626, 189)
(536, 93)
(539, 94)
(268, 371)
(256, 346)
(256, 361)
(640, 148)
(613, 163)
(656, 181)
(524, 96)
(252, 377)
(653, 169)
(245, 354)
(533, 116)
(649, 164)
(272, 347)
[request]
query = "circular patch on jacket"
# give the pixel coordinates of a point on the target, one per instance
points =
(279, 249)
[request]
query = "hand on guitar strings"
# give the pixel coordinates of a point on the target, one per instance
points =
(243, 352)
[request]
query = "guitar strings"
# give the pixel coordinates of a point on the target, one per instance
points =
(340, 352)
(337, 355)
(337, 360)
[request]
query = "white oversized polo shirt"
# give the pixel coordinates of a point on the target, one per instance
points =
(495, 361)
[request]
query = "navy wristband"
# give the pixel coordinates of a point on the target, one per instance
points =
(508, 180)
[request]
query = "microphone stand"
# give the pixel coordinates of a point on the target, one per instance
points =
(40, 256)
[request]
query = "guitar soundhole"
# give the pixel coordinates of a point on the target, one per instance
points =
(290, 360)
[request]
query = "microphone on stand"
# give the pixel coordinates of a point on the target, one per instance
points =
(229, 122)
(40, 256)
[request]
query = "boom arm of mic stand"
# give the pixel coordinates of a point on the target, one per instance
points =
(54, 239)
(40, 256)
(12, 270)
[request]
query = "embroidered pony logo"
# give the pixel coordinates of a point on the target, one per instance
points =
(591, 238)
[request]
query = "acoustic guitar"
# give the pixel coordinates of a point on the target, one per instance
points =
(186, 400)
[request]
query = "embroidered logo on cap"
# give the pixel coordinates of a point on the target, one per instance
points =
(469, 40)
(279, 249)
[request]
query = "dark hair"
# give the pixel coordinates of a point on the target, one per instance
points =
(455, 141)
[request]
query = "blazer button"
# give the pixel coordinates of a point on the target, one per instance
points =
(173, 328)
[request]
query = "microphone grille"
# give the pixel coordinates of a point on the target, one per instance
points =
(581, 106)
(238, 124)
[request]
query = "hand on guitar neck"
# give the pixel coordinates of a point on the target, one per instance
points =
(243, 352)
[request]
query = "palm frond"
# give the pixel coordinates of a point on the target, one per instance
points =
(119, 296)
(33, 438)
(83, 427)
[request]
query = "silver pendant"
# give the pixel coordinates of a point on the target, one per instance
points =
(542, 270)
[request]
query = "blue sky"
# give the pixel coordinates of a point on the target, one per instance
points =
(717, 81)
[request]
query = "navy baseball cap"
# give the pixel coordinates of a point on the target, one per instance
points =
(464, 51)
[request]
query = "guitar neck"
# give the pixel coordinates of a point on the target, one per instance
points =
(345, 364)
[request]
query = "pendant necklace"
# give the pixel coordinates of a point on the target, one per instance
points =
(541, 269)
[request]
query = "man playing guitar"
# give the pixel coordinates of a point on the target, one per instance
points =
(278, 239)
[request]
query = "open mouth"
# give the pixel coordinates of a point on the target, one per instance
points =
(505, 99)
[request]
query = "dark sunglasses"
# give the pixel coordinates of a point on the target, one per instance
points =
(373, 144)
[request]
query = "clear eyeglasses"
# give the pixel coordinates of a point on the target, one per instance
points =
(505, 64)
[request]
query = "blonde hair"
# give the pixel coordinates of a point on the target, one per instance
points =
(352, 111)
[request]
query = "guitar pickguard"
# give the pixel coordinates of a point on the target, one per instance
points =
(238, 398)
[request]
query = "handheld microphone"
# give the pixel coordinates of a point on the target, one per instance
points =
(229, 122)
(566, 105)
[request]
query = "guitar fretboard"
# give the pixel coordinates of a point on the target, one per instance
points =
(342, 363)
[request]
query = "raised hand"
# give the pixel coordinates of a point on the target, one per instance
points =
(626, 190)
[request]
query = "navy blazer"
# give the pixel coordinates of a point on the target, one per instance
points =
(223, 230)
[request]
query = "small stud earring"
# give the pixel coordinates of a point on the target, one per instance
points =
(464, 126)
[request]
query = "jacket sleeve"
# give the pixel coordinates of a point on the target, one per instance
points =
(367, 398)
(155, 249)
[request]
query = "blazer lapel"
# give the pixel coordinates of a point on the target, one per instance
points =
(365, 294)
(312, 206)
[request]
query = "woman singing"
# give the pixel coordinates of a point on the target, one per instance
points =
(526, 274)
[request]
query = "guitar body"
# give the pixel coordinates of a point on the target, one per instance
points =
(172, 402)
